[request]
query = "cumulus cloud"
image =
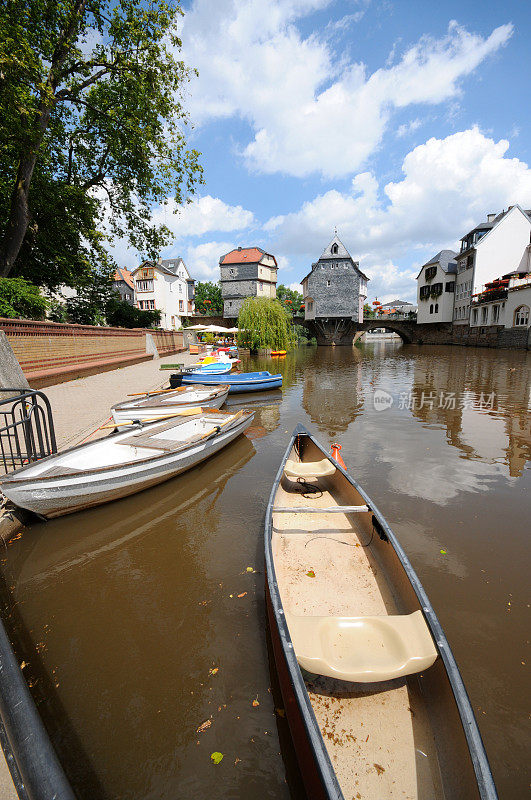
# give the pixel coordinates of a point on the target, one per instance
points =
(202, 215)
(448, 186)
(309, 112)
(202, 260)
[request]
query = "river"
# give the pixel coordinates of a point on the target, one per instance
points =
(142, 620)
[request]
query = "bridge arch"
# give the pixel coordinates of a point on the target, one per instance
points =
(395, 327)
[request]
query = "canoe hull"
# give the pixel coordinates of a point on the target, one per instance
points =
(461, 760)
(60, 495)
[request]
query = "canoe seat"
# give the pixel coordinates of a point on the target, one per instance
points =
(309, 469)
(362, 649)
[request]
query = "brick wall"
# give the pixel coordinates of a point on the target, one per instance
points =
(51, 352)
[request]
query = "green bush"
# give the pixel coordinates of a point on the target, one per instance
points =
(20, 298)
(264, 323)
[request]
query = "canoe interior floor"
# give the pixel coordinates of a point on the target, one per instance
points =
(378, 735)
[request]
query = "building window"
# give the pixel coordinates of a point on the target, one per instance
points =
(144, 286)
(181, 305)
(475, 317)
(424, 292)
(436, 308)
(328, 283)
(431, 308)
(450, 286)
(495, 314)
(484, 315)
(335, 249)
(430, 273)
(521, 316)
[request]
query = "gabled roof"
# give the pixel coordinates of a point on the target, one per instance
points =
(444, 258)
(397, 303)
(123, 274)
(241, 255)
(342, 251)
(168, 266)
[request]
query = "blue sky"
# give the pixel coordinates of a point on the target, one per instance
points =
(403, 123)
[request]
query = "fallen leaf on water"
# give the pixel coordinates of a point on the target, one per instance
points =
(24, 664)
(237, 761)
(280, 712)
(443, 552)
(242, 594)
(213, 670)
(249, 569)
(310, 573)
(216, 757)
(204, 725)
(231, 595)
(379, 769)
(255, 701)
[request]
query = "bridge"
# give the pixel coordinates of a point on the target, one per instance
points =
(342, 331)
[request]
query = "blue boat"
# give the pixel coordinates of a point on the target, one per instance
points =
(218, 368)
(240, 382)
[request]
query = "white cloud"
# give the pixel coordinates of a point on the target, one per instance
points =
(409, 127)
(202, 215)
(295, 287)
(448, 186)
(202, 260)
(307, 111)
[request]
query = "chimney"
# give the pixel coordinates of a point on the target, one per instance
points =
(491, 217)
(239, 249)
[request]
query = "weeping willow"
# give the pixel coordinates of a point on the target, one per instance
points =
(264, 323)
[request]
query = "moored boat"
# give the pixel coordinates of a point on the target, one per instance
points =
(215, 367)
(160, 404)
(374, 698)
(238, 381)
(122, 463)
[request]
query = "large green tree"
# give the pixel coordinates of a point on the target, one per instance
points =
(208, 299)
(92, 131)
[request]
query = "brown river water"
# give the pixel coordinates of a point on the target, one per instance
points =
(130, 619)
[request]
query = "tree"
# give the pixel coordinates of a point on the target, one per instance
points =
(208, 299)
(124, 315)
(91, 124)
(292, 300)
(264, 323)
(368, 312)
(19, 298)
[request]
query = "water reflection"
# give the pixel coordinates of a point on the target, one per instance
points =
(482, 404)
(333, 389)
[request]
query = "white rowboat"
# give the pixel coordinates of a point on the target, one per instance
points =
(122, 463)
(161, 404)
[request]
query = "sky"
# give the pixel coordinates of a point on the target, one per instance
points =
(402, 123)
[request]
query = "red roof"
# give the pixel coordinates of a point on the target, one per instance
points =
(123, 274)
(240, 255)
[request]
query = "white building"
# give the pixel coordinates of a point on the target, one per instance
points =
(505, 302)
(492, 248)
(165, 286)
(435, 288)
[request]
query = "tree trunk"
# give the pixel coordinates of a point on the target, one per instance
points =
(19, 212)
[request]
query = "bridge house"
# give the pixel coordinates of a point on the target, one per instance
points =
(336, 288)
(246, 272)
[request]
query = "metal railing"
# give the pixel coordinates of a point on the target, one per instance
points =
(26, 428)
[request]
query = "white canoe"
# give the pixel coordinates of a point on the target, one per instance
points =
(122, 463)
(160, 404)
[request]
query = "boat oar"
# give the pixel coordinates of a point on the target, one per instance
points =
(158, 391)
(184, 412)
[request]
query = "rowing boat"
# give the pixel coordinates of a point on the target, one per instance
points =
(160, 404)
(122, 463)
(376, 705)
(238, 381)
(216, 367)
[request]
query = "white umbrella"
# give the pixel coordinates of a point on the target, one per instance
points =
(215, 329)
(232, 330)
(196, 328)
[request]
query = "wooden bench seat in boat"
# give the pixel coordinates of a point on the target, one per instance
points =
(362, 649)
(309, 469)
